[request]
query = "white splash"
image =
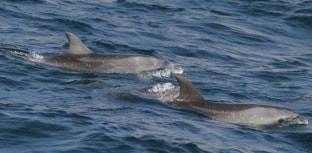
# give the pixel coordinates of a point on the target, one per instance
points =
(161, 73)
(35, 57)
(161, 87)
(176, 69)
(32, 56)
(164, 92)
(164, 73)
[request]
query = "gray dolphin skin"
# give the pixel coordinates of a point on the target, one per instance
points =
(242, 114)
(80, 58)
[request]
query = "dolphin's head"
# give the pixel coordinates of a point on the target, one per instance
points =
(292, 120)
(260, 116)
(285, 117)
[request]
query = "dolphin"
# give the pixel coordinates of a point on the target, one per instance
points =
(253, 115)
(80, 58)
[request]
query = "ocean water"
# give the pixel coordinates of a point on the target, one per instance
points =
(240, 51)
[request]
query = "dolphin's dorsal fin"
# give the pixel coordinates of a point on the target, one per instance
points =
(187, 91)
(76, 46)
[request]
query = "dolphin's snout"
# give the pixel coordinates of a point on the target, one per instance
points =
(301, 120)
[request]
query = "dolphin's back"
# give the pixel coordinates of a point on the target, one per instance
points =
(80, 58)
(101, 63)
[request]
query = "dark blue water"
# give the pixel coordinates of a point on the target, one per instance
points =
(235, 51)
